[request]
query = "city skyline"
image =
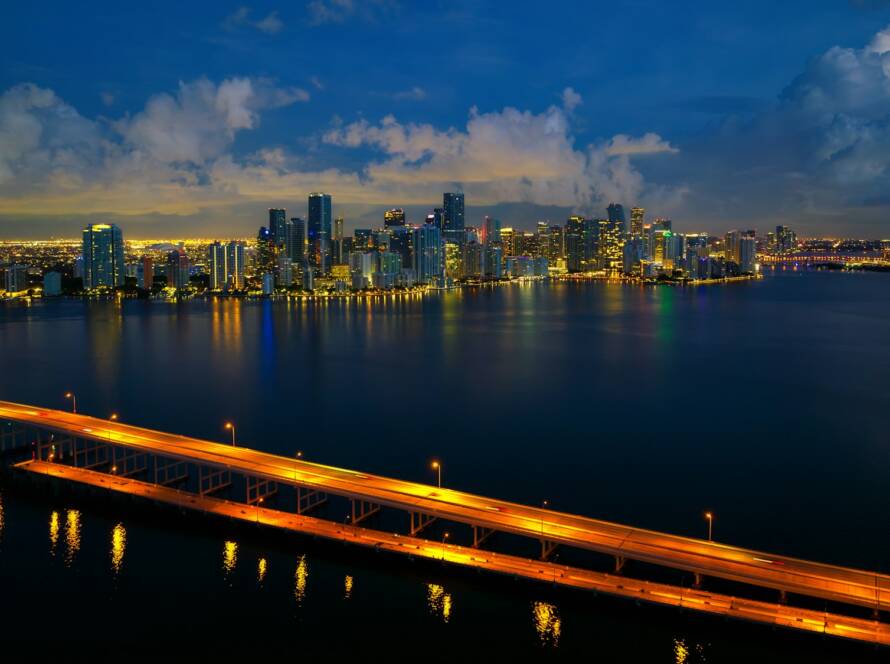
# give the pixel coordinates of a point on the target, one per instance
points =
(189, 144)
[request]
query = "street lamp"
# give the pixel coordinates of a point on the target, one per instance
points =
(435, 465)
(710, 518)
(73, 397)
(259, 502)
(444, 539)
(544, 505)
(231, 426)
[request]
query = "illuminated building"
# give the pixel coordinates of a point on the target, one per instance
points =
(633, 255)
(268, 283)
(285, 272)
(610, 244)
(637, 219)
(494, 261)
(277, 221)
(507, 236)
(216, 262)
(402, 242)
(491, 231)
(786, 240)
(339, 257)
(471, 257)
(574, 243)
(146, 273)
(453, 211)
(295, 240)
(747, 255)
(362, 239)
(16, 279)
(361, 267)
(731, 246)
(453, 261)
(177, 269)
(52, 284)
(428, 259)
(103, 256)
(265, 251)
(436, 218)
(394, 217)
(615, 214)
(590, 236)
(319, 232)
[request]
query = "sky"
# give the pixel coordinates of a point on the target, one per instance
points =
(191, 119)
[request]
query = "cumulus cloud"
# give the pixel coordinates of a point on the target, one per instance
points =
(270, 24)
(570, 99)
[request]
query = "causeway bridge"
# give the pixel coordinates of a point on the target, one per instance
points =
(205, 475)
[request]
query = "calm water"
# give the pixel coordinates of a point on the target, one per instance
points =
(766, 402)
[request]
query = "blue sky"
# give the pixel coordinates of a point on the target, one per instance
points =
(194, 117)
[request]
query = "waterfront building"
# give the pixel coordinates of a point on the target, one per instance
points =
(268, 283)
(145, 275)
(295, 240)
(428, 259)
(453, 212)
(637, 220)
(747, 255)
(52, 284)
(615, 214)
(453, 261)
(16, 280)
(394, 217)
(177, 269)
(339, 257)
(265, 251)
(103, 256)
(277, 222)
(471, 259)
(319, 232)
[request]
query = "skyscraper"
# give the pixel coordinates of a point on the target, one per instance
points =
(615, 214)
(394, 217)
(339, 256)
(277, 220)
(296, 240)
(428, 259)
(103, 256)
(453, 211)
(226, 265)
(637, 219)
(319, 232)
(177, 269)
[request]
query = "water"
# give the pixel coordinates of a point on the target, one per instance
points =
(765, 402)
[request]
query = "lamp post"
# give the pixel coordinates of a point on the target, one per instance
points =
(297, 456)
(444, 539)
(710, 518)
(231, 426)
(73, 397)
(258, 504)
(544, 505)
(435, 465)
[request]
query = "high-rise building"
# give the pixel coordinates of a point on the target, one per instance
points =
(747, 255)
(226, 265)
(146, 275)
(177, 269)
(786, 240)
(277, 220)
(731, 243)
(436, 217)
(394, 217)
(508, 237)
(16, 278)
(574, 243)
(339, 257)
(453, 212)
(103, 256)
(637, 219)
(296, 240)
(52, 284)
(492, 231)
(319, 232)
(615, 214)
(610, 244)
(428, 259)
(265, 251)
(402, 242)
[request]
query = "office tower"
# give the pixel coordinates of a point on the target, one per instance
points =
(361, 239)
(402, 242)
(394, 217)
(296, 240)
(590, 237)
(216, 265)
(339, 257)
(471, 259)
(265, 251)
(319, 232)
(492, 231)
(436, 217)
(277, 220)
(786, 240)
(103, 256)
(731, 243)
(235, 265)
(615, 214)
(453, 261)
(428, 263)
(637, 219)
(177, 269)
(453, 212)
(16, 278)
(268, 283)
(494, 260)
(632, 255)
(574, 243)
(507, 241)
(361, 266)
(610, 244)
(146, 273)
(285, 271)
(226, 265)
(52, 284)
(747, 255)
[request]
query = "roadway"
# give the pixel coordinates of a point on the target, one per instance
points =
(860, 629)
(813, 579)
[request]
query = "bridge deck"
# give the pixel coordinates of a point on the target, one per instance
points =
(657, 593)
(842, 584)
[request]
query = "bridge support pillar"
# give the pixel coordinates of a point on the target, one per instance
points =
(697, 578)
(308, 499)
(126, 462)
(362, 509)
(259, 489)
(419, 521)
(783, 597)
(547, 549)
(481, 534)
(12, 437)
(211, 480)
(90, 453)
(169, 471)
(619, 564)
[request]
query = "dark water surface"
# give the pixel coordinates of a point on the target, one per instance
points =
(766, 402)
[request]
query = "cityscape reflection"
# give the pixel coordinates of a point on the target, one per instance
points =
(261, 570)
(72, 535)
(438, 601)
(301, 576)
(53, 532)
(118, 546)
(547, 623)
(347, 587)
(230, 556)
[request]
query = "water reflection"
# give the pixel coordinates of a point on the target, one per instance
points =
(230, 556)
(347, 587)
(547, 623)
(686, 654)
(118, 546)
(301, 576)
(53, 532)
(72, 535)
(1, 517)
(261, 570)
(438, 601)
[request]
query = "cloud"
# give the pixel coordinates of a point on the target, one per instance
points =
(414, 94)
(107, 98)
(271, 24)
(570, 99)
(316, 82)
(337, 11)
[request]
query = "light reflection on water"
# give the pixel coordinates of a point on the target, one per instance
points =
(72, 535)
(261, 568)
(53, 532)
(547, 623)
(301, 576)
(118, 546)
(438, 601)
(230, 557)
(347, 587)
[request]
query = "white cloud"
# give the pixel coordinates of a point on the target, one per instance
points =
(337, 11)
(414, 94)
(570, 99)
(270, 24)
